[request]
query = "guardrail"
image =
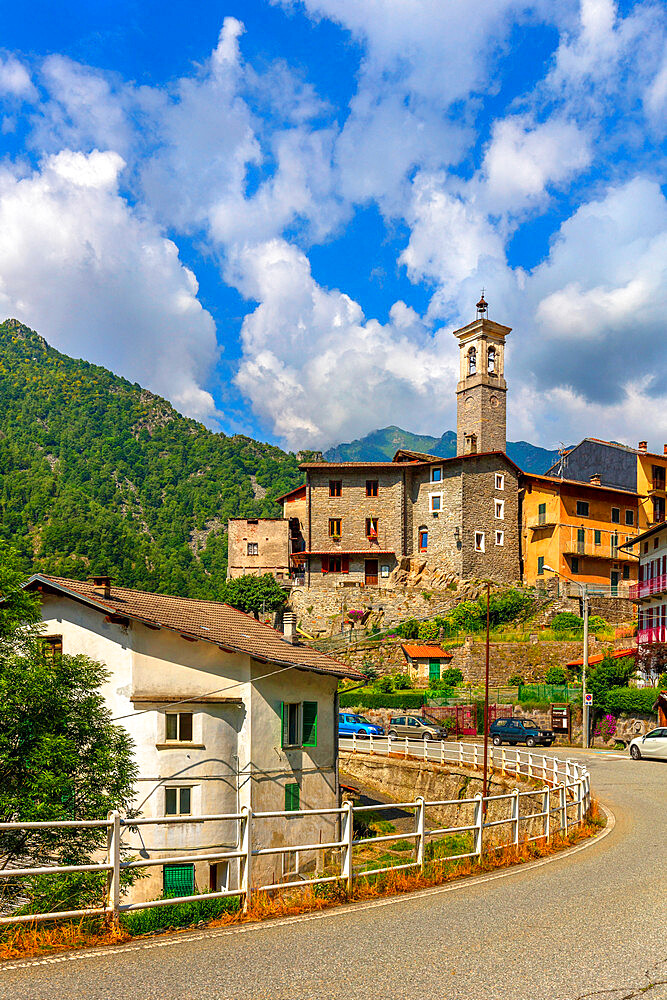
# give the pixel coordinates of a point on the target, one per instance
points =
(564, 798)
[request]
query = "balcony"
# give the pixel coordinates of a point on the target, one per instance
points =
(648, 636)
(657, 486)
(647, 588)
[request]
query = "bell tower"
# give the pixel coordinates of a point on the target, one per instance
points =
(481, 414)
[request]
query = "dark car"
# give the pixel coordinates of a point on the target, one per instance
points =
(515, 731)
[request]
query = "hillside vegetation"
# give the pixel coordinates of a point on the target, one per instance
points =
(99, 475)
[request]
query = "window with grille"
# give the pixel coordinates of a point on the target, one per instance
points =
(371, 487)
(178, 727)
(253, 548)
(178, 801)
(178, 880)
(335, 487)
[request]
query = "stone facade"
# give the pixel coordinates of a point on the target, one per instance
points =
(490, 505)
(481, 392)
(258, 545)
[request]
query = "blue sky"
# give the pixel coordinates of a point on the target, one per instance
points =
(275, 213)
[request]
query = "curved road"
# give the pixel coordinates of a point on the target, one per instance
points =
(590, 925)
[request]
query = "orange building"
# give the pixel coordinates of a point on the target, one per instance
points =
(577, 528)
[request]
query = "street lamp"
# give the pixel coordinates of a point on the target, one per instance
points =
(584, 601)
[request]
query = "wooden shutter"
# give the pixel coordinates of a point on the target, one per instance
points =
(291, 797)
(325, 564)
(309, 724)
(179, 880)
(345, 564)
(284, 724)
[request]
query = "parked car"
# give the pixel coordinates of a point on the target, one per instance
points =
(416, 728)
(654, 744)
(515, 731)
(349, 724)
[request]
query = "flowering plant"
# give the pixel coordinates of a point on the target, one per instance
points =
(606, 727)
(355, 616)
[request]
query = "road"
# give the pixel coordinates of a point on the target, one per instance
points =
(588, 925)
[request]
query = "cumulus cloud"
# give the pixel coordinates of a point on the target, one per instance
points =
(15, 80)
(81, 267)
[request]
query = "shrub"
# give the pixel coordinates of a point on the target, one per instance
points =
(402, 682)
(377, 699)
(515, 680)
(606, 727)
(556, 675)
(409, 629)
(452, 676)
(596, 623)
(662, 681)
(628, 701)
(436, 685)
(383, 684)
(369, 671)
(428, 632)
(178, 915)
(566, 621)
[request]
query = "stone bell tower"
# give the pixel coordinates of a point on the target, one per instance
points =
(481, 421)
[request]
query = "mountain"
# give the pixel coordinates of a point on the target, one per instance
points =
(381, 445)
(102, 476)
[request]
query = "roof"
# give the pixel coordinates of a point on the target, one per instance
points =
(209, 621)
(415, 651)
(332, 466)
(396, 463)
(345, 552)
(616, 654)
(286, 496)
(660, 526)
(561, 481)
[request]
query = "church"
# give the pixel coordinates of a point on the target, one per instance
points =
(352, 522)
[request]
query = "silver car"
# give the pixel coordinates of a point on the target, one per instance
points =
(653, 745)
(415, 728)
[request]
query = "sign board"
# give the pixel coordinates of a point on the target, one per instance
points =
(588, 698)
(560, 718)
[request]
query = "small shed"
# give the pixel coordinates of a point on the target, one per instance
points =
(425, 662)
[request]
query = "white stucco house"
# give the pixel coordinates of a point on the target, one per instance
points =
(224, 712)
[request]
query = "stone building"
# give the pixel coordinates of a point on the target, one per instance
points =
(258, 545)
(481, 393)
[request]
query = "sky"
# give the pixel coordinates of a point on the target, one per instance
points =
(275, 212)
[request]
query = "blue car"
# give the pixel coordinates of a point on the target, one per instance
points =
(348, 724)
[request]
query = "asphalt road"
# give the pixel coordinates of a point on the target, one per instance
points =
(589, 925)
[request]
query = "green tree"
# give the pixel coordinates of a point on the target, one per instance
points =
(556, 675)
(253, 594)
(61, 758)
(609, 673)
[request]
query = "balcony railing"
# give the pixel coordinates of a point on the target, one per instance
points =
(647, 636)
(658, 585)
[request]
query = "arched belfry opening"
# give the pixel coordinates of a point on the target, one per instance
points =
(481, 390)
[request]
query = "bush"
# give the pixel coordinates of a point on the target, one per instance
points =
(428, 632)
(566, 621)
(376, 699)
(452, 676)
(401, 682)
(556, 675)
(662, 681)
(596, 623)
(383, 684)
(178, 915)
(409, 629)
(369, 671)
(515, 680)
(628, 701)
(436, 685)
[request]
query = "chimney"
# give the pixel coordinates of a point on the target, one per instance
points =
(289, 626)
(596, 479)
(102, 585)
(643, 445)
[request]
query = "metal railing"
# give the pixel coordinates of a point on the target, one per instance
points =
(564, 797)
(656, 585)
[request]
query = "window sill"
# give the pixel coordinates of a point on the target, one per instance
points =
(180, 746)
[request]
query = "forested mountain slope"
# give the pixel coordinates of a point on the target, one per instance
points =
(99, 475)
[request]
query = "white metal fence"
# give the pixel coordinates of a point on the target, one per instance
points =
(564, 798)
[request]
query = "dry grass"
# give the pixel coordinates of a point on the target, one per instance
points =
(26, 941)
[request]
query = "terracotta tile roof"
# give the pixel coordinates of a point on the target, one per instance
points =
(617, 654)
(346, 552)
(417, 651)
(210, 621)
(561, 481)
(292, 493)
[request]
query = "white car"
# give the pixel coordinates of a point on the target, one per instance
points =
(654, 744)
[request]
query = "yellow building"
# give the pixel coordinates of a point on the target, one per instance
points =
(651, 478)
(577, 528)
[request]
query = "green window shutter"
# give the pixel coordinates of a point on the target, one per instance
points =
(178, 880)
(291, 797)
(284, 724)
(434, 670)
(309, 724)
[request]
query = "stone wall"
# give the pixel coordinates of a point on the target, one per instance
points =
(442, 542)
(270, 535)
(353, 507)
(322, 611)
(498, 561)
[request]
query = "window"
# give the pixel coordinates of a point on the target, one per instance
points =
(656, 542)
(384, 570)
(423, 539)
(371, 487)
(492, 360)
(292, 797)
(435, 500)
(334, 527)
(542, 514)
(372, 528)
(629, 517)
(582, 508)
(472, 361)
(615, 515)
(500, 481)
(436, 474)
(177, 801)
(645, 546)
(335, 564)
(540, 565)
(178, 880)
(499, 509)
(299, 723)
(626, 572)
(598, 537)
(479, 541)
(335, 487)
(52, 648)
(614, 545)
(500, 537)
(575, 564)
(178, 727)
(253, 548)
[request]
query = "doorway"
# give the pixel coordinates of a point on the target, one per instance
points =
(371, 573)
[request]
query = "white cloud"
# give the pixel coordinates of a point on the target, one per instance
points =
(15, 80)
(81, 267)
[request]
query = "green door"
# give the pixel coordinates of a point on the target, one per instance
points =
(434, 670)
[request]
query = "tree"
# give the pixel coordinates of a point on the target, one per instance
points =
(253, 594)
(609, 673)
(61, 758)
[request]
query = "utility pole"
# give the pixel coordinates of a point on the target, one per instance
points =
(486, 700)
(584, 671)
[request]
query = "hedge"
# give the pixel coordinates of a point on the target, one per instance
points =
(367, 699)
(627, 700)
